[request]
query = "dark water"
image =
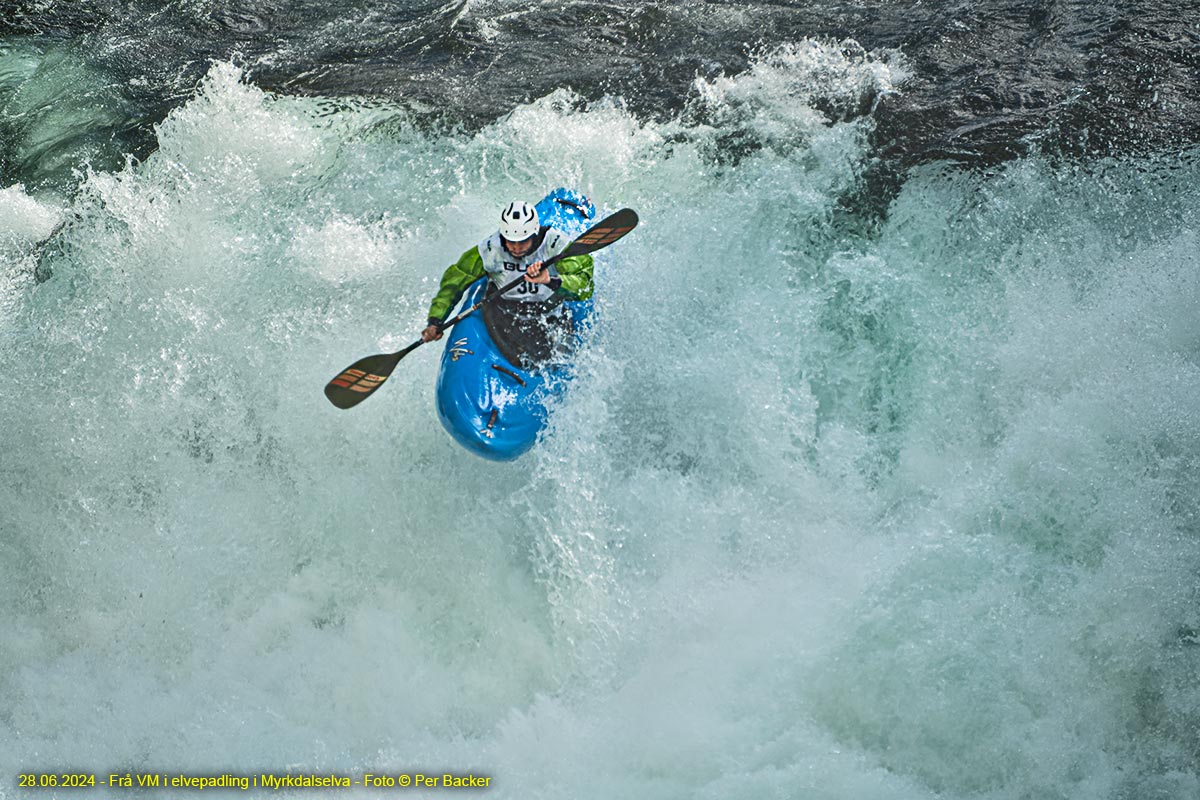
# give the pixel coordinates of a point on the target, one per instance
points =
(987, 81)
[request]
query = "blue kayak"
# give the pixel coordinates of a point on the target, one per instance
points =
(489, 404)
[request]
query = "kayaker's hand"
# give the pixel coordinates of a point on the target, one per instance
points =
(431, 334)
(535, 274)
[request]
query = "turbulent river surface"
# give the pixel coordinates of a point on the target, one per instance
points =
(879, 476)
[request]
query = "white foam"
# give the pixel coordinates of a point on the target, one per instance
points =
(822, 514)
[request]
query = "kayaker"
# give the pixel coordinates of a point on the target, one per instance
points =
(523, 321)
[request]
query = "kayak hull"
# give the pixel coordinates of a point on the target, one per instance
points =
(489, 405)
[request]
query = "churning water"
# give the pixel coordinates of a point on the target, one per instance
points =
(840, 504)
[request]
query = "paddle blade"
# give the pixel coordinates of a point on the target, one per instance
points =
(359, 380)
(603, 233)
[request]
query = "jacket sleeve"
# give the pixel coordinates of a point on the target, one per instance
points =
(456, 279)
(576, 274)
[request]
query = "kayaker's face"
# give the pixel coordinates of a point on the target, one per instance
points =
(519, 249)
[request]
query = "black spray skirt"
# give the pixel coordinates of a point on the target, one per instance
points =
(529, 334)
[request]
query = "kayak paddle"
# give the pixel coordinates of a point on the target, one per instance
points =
(359, 380)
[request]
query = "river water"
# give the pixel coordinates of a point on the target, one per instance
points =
(878, 477)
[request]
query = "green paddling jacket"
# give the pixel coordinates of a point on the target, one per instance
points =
(570, 278)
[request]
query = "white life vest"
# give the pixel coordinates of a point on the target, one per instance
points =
(503, 267)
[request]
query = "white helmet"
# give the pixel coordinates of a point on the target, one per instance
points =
(519, 221)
